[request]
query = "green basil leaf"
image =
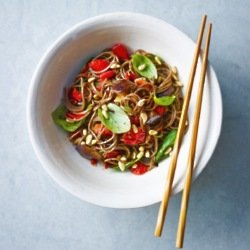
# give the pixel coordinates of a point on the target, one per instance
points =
(118, 121)
(59, 118)
(149, 71)
(164, 100)
(168, 141)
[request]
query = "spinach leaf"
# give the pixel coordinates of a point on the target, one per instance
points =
(117, 121)
(144, 66)
(167, 142)
(164, 100)
(59, 118)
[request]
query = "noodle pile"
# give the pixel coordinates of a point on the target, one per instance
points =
(134, 94)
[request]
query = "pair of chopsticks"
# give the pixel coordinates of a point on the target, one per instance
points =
(180, 132)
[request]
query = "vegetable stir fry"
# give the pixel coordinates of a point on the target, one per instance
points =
(123, 109)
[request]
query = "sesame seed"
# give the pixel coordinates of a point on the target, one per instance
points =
(121, 165)
(147, 154)
(135, 129)
(123, 159)
(134, 155)
(96, 96)
(140, 155)
(84, 132)
(115, 66)
(168, 151)
(152, 132)
(91, 79)
(157, 59)
(142, 67)
(82, 143)
(144, 117)
(141, 102)
(89, 139)
(105, 114)
(94, 142)
(105, 107)
(141, 149)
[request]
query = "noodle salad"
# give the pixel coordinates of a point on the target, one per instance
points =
(123, 109)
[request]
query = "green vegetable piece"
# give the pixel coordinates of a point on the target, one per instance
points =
(168, 141)
(164, 100)
(59, 118)
(117, 120)
(144, 66)
(127, 165)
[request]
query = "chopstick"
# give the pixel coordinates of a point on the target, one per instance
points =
(192, 149)
(181, 127)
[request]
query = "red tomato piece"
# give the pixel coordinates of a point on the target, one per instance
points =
(139, 169)
(75, 95)
(132, 138)
(112, 154)
(135, 120)
(120, 51)
(93, 162)
(74, 116)
(161, 110)
(98, 64)
(107, 165)
(131, 76)
(107, 75)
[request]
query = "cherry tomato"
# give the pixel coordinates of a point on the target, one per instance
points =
(107, 75)
(120, 51)
(132, 138)
(98, 64)
(139, 169)
(161, 110)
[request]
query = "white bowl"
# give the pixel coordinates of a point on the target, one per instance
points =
(58, 67)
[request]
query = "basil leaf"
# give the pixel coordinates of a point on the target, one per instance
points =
(167, 142)
(149, 71)
(164, 100)
(118, 121)
(59, 118)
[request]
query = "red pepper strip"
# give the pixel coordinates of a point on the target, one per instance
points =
(98, 64)
(161, 110)
(74, 116)
(135, 120)
(75, 95)
(112, 154)
(131, 76)
(120, 51)
(107, 75)
(139, 169)
(132, 138)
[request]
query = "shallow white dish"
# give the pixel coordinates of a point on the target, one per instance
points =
(58, 67)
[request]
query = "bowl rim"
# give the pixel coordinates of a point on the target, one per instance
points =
(32, 94)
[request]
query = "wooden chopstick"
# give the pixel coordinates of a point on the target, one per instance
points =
(192, 149)
(181, 127)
